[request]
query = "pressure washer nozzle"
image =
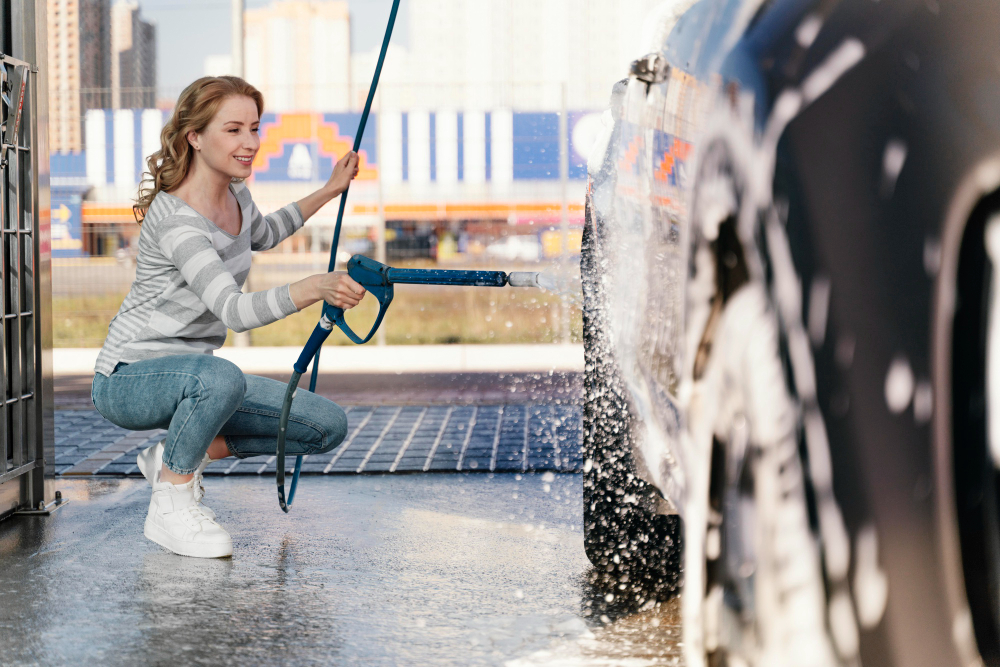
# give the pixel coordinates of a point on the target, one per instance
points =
(532, 279)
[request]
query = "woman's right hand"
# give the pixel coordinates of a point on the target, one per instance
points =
(339, 289)
(335, 288)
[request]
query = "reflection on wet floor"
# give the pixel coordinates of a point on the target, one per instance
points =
(410, 570)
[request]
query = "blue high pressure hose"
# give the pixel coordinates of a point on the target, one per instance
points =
(325, 326)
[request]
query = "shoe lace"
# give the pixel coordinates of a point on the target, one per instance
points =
(199, 487)
(194, 517)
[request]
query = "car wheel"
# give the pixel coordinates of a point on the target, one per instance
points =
(754, 589)
(635, 549)
(976, 450)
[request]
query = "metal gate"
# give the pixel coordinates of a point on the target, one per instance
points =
(26, 436)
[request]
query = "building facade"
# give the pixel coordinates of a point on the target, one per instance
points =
(65, 120)
(519, 54)
(133, 58)
(298, 53)
(95, 54)
(92, 66)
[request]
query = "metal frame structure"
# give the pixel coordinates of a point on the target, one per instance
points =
(26, 409)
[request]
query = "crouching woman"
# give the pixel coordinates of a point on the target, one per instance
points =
(156, 369)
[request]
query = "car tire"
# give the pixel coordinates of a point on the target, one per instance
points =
(755, 585)
(635, 549)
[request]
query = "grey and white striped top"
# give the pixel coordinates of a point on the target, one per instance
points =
(188, 278)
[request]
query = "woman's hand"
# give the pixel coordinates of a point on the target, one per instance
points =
(343, 173)
(340, 290)
(336, 288)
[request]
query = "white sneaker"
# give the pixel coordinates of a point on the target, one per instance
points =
(177, 522)
(150, 461)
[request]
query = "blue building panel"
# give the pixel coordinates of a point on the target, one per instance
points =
(347, 126)
(536, 146)
(305, 146)
(406, 146)
(489, 147)
(66, 217)
(433, 145)
(577, 160)
(461, 147)
(109, 145)
(281, 168)
(68, 165)
(140, 162)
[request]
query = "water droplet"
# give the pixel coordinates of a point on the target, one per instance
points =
(899, 384)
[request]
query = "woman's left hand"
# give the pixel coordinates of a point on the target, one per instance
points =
(343, 173)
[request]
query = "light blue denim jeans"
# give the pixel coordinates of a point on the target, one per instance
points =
(196, 397)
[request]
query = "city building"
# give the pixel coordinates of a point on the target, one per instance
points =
(466, 132)
(298, 53)
(519, 54)
(95, 54)
(65, 127)
(218, 65)
(133, 58)
(79, 62)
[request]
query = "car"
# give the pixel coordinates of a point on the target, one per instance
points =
(516, 249)
(792, 331)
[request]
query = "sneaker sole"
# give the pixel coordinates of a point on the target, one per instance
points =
(165, 540)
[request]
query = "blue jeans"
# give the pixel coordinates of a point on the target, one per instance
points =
(197, 397)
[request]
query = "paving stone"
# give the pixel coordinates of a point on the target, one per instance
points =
(120, 469)
(484, 438)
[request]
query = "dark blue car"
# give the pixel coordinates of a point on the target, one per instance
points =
(792, 331)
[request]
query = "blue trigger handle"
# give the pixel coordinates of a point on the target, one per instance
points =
(336, 315)
(374, 277)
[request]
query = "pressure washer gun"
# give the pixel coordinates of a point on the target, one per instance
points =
(379, 279)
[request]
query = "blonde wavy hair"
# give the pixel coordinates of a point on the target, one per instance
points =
(195, 109)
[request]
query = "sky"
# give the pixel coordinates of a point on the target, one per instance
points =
(189, 30)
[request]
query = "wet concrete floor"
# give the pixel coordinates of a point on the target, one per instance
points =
(429, 569)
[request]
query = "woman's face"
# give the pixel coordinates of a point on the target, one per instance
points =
(230, 142)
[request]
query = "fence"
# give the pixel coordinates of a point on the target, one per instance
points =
(87, 291)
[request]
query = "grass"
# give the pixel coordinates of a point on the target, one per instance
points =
(418, 315)
(82, 321)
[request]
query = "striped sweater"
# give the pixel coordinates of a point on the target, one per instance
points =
(189, 274)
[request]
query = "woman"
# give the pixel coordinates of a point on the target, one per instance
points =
(156, 369)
